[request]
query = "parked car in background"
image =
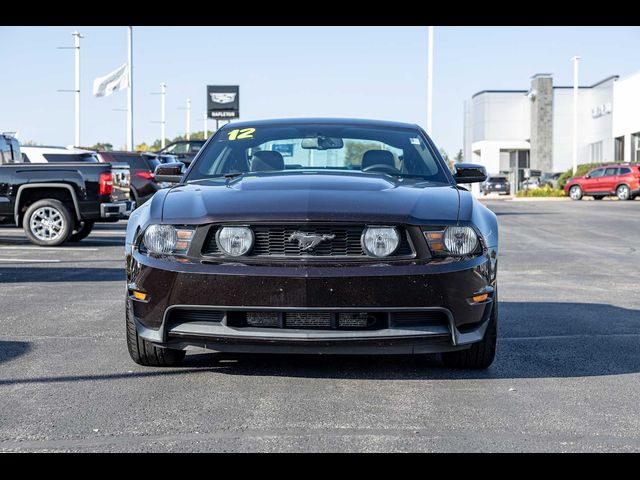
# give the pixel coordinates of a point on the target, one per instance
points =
(57, 155)
(120, 171)
(530, 184)
(622, 180)
(55, 202)
(550, 179)
(141, 166)
(496, 183)
(185, 150)
(9, 149)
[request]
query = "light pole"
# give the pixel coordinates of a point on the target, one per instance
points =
(430, 82)
(188, 119)
(163, 123)
(77, 37)
(206, 126)
(574, 142)
(130, 92)
(76, 90)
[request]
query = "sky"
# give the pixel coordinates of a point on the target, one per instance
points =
(359, 72)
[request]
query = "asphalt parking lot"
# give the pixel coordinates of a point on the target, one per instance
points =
(566, 377)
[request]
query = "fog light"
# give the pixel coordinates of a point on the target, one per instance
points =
(139, 295)
(480, 298)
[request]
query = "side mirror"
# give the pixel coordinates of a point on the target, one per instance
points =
(469, 173)
(587, 176)
(169, 172)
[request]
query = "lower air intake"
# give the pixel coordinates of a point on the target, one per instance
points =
(355, 320)
(308, 320)
(262, 319)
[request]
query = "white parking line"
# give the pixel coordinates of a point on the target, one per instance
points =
(56, 249)
(26, 260)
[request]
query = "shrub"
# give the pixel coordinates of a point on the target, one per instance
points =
(545, 191)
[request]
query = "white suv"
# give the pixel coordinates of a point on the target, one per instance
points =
(57, 155)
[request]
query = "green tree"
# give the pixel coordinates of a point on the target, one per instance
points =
(102, 146)
(142, 147)
(353, 151)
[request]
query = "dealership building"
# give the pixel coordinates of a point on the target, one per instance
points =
(509, 129)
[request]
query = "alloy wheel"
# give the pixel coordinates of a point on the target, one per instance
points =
(47, 223)
(623, 192)
(575, 193)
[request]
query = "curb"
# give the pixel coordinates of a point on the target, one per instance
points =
(541, 199)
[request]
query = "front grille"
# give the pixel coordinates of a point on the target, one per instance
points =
(187, 315)
(273, 241)
(308, 320)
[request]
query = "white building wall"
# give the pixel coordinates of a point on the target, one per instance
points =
(501, 116)
(563, 127)
(626, 110)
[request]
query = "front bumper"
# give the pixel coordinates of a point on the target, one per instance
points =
(385, 290)
(117, 210)
(501, 189)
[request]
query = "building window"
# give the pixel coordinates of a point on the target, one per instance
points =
(595, 152)
(619, 149)
(635, 147)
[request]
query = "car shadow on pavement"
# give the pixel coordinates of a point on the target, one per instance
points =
(520, 212)
(11, 349)
(102, 241)
(535, 340)
(61, 274)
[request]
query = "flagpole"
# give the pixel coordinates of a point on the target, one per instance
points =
(130, 94)
(430, 82)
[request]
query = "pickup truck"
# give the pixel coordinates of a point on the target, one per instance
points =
(59, 202)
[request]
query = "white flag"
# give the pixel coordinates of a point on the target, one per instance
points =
(116, 80)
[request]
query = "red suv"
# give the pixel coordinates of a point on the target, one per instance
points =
(621, 180)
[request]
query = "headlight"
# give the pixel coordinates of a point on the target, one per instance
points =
(235, 241)
(380, 241)
(452, 241)
(167, 239)
(460, 240)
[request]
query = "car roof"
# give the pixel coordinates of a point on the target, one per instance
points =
(614, 165)
(324, 121)
(43, 149)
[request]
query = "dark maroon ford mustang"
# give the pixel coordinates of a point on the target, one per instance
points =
(314, 236)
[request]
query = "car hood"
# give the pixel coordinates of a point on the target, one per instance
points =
(311, 197)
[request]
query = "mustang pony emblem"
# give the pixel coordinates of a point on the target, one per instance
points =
(309, 241)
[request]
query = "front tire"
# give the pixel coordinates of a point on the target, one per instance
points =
(623, 192)
(83, 231)
(47, 222)
(145, 353)
(482, 353)
(575, 192)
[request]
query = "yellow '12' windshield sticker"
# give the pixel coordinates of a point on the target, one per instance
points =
(241, 133)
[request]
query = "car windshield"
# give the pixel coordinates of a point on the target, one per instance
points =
(321, 148)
